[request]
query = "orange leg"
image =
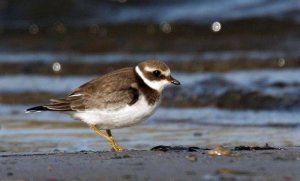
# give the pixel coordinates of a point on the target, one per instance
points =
(114, 145)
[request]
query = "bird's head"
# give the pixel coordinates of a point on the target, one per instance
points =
(155, 74)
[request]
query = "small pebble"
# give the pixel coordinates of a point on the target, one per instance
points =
(219, 151)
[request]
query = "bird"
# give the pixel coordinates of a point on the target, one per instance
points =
(118, 99)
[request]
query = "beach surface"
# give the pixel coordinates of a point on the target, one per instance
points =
(160, 164)
(238, 63)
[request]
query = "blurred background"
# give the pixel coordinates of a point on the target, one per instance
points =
(238, 62)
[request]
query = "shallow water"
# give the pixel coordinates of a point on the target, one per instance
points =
(64, 138)
(261, 80)
(51, 57)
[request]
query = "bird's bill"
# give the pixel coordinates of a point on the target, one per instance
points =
(174, 81)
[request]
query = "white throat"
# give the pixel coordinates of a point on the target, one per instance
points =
(156, 85)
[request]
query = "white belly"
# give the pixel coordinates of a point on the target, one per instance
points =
(124, 117)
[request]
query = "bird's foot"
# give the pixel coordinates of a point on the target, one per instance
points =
(115, 146)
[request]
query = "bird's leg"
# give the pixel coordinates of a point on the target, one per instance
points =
(114, 145)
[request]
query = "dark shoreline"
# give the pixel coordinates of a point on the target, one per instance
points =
(269, 34)
(233, 98)
(191, 66)
(274, 164)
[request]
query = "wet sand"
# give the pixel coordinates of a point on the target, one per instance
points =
(267, 164)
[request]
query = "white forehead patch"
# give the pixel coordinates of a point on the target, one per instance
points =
(156, 85)
(151, 69)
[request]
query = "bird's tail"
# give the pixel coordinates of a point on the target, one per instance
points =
(37, 109)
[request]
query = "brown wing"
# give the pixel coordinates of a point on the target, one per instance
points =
(113, 91)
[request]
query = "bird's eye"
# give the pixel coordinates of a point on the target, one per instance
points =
(156, 73)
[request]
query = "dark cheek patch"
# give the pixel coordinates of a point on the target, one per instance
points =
(152, 77)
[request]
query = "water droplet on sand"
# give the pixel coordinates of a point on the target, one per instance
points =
(165, 27)
(60, 28)
(216, 26)
(281, 62)
(33, 29)
(56, 67)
